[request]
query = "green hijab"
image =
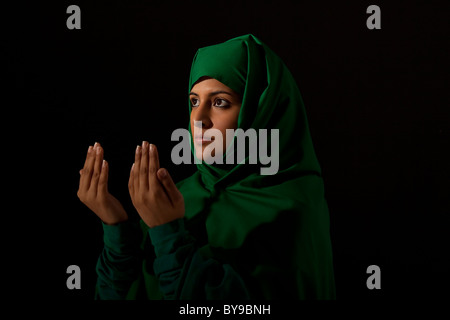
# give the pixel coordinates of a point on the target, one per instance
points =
(234, 202)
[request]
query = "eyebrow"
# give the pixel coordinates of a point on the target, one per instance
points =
(211, 93)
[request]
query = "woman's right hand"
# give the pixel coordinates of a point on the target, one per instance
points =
(93, 188)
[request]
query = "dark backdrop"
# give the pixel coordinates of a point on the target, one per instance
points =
(377, 103)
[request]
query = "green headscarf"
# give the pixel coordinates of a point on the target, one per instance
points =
(236, 202)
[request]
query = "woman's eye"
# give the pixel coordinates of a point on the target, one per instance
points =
(194, 102)
(221, 103)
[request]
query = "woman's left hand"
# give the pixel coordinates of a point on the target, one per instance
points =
(152, 190)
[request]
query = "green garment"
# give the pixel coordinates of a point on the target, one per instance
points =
(244, 235)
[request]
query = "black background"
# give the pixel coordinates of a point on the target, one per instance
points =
(377, 103)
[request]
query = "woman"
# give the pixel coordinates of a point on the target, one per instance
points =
(227, 231)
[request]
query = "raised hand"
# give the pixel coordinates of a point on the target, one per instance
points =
(152, 190)
(93, 188)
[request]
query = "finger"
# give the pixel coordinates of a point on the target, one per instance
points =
(86, 172)
(103, 180)
(143, 171)
(131, 183)
(171, 189)
(154, 167)
(88, 156)
(97, 168)
(137, 165)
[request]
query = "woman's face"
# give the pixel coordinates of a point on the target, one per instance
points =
(217, 107)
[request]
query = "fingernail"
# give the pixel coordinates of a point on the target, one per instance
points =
(95, 145)
(137, 149)
(103, 163)
(163, 173)
(152, 148)
(98, 151)
(90, 149)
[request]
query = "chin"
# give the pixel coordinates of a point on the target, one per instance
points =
(199, 154)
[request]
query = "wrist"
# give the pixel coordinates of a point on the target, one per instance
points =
(114, 221)
(123, 237)
(167, 237)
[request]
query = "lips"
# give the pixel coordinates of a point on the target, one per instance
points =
(203, 139)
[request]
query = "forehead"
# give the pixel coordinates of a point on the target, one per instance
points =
(209, 86)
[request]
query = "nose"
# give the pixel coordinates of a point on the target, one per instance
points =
(201, 116)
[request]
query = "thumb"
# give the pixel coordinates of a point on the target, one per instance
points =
(171, 189)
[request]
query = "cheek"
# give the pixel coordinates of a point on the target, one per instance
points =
(227, 120)
(191, 122)
(191, 118)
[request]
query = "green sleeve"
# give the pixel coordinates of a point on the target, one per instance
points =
(185, 272)
(120, 261)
